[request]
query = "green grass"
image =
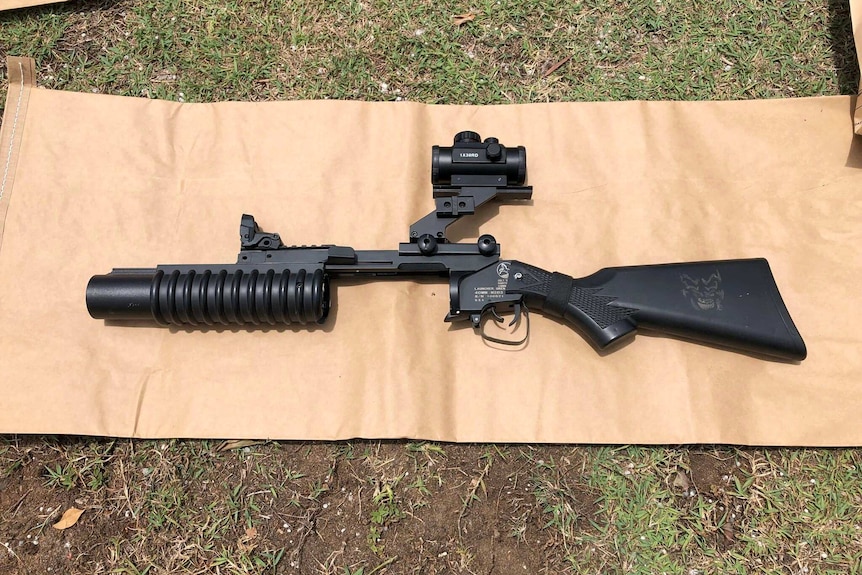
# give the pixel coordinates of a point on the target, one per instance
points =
(378, 507)
(776, 510)
(351, 49)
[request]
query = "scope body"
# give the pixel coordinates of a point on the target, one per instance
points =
(470, 156)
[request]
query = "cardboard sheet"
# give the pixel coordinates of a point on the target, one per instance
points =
(93, 182)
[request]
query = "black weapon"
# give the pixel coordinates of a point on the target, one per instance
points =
(731, 303)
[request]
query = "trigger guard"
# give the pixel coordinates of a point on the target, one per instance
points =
(520, 311)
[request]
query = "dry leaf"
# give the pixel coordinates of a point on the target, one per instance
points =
(681, 481)
(245, 544)
(462, 19)
(69, 518)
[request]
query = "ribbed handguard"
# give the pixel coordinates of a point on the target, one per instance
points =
(201, 296)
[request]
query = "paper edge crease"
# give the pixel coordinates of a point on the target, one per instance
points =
(21, 73)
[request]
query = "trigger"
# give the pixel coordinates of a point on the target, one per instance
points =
(497, 316)
(517, 317)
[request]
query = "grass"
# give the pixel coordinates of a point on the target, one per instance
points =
(510, 52)
(184, 506)
(368, 507)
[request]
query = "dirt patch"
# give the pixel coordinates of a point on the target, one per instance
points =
(174, 506)
(711, 477)
(712, 473)
(439, 512)
(29, 506)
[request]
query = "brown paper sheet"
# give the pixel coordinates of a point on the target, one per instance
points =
(12, 4)
(103, 181)
(856, 17)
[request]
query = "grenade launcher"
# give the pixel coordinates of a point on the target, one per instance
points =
(730, 303)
